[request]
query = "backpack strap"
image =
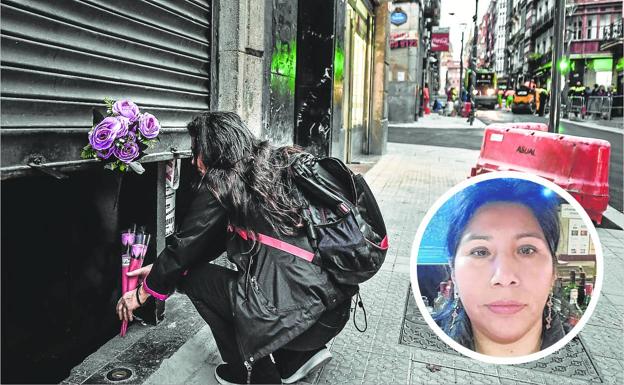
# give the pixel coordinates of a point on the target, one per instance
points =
(308, 180)
(273, 242)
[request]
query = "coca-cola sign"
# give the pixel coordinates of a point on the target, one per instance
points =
(440, 40)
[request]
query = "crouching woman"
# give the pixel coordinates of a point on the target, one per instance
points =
(276, 302)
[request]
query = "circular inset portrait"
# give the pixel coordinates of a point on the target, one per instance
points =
(506, 267)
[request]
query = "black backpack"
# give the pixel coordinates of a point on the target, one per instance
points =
(343, 221)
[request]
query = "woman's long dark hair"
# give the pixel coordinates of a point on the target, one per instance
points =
(249, 177)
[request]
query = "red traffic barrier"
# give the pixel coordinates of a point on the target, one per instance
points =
(578, 165)
(525, 125)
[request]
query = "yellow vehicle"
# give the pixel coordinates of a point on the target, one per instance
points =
(524, 100)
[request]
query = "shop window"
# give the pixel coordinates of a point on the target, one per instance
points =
(604, 78)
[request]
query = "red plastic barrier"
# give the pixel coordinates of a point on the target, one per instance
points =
(579, 165)
(525, 125)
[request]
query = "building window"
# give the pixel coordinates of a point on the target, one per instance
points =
(591, 27)
(577, 27)
(604, 22)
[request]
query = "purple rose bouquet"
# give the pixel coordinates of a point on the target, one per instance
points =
(121, 138)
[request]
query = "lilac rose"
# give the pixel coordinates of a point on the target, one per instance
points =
(103, 135)
(127, 109)
(127, 152)
(149, 125)
(105, 154)
(125, 123)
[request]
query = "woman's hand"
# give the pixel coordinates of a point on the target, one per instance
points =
(128, 301)
(142, 272)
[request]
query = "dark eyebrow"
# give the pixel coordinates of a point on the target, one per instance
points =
(530, 235)
(472, 237)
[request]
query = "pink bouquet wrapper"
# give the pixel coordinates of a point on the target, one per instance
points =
(136, 262)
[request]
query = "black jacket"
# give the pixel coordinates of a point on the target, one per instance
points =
(277, 296)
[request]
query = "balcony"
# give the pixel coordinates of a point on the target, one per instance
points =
(537, 61)
(613, 31)
(544, 21)
(612, 36)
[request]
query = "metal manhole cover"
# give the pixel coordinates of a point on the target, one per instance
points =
(571, 361)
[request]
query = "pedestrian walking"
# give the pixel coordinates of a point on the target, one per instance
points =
(426, 97)
(509, 100)
(276, 303)
(543, 99)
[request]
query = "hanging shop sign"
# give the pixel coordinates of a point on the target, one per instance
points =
(398, 17)
(403, 39)
(440, 39)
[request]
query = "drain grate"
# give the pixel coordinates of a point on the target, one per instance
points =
(119, 374)
(571, 361)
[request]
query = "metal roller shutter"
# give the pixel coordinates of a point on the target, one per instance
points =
(60, 59)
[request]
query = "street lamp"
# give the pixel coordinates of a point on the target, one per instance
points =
(461, 61)
(473, 64)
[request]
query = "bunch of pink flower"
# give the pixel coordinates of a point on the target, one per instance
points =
(123, 136)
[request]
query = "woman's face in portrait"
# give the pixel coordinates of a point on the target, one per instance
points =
(504, 274)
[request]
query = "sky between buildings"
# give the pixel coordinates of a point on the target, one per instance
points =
(463, 11)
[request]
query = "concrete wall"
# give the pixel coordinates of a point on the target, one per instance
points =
(401, 101)
(281, 64)
(240, 57)
(379, 105)
(405, 70)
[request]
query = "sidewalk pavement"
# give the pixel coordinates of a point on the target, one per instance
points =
(615, 125)
(437, 121)
(397, 347)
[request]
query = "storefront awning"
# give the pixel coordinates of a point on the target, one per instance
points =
(590, 55)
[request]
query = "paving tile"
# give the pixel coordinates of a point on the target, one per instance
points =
(394, 304)
(373, 297)
(350, 337)
(509, 381)
(421, 373)
(514, 372)
(420, 336)
(347, 367)
(471, 378)
(611, 370)
(385, 369)
(615, 299)
(551, 379)
(604, 342)
(455, 361)
(400, 268)
(387, 339)
(606, 315)
(571, 361)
